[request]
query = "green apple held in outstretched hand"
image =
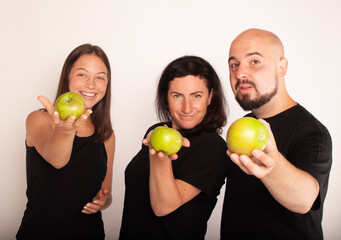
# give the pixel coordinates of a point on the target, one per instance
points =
(167, 140)
(246, 134)
(70, 103)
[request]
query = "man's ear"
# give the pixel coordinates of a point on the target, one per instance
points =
(283, 66)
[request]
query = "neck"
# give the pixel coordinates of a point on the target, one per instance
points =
(277, 105)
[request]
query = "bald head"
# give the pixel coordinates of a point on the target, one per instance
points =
(258, 38)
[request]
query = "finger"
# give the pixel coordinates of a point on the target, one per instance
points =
(256, 170)
(68, 123)
(91, 208)
(55, 118)
(145, 142)
(152, 151)
(173, 156)
(80, 121)
(161, 155)
(262, 157)
(185, 142)
(47, 104)
(271, 141)
(236, 159)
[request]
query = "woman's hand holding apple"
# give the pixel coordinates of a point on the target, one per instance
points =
(70, 123)
(161, 154)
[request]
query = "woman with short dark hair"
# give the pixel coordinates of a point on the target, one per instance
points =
(172, 197)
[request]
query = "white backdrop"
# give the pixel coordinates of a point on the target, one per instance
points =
(141, 38)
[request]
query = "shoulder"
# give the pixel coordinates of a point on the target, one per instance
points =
(38, 120)
(308, 123)
(110, 141)
(38, 123)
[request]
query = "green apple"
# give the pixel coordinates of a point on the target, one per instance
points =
(246, 134)
(70, 103)
(165, 139)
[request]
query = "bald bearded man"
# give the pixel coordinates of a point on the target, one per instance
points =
(278, 193)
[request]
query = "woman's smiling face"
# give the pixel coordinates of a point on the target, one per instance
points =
(88, 77)
(188, 99)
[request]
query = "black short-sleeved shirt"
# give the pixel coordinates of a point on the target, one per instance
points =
(202, 165)
(250, 212)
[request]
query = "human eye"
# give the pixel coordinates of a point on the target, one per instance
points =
(234, 65)
(255, 62)
(81, 74)
(101, 77)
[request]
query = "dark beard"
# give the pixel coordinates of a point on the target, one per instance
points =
(248, 105)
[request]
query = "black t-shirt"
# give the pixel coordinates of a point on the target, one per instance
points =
(202, 165)
(250, 212)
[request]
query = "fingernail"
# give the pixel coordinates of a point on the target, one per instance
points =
(95, 201)
(256, 153)
(55, 113)
(88, 204)
(244, 160)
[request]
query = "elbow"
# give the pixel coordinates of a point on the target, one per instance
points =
(58, 166)
(306, 205)
(159, 212)
(303, 209)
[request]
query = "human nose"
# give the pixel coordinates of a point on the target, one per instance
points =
(90, 83)
(187, 106)
(241, 72)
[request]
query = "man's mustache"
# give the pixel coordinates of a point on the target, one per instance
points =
(245, 81)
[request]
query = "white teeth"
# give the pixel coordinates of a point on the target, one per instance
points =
(88, 94)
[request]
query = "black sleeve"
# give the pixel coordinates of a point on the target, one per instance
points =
(313, 154)
(204, 163)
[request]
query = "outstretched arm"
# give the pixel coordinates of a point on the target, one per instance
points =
(52, 137)
(293, 188)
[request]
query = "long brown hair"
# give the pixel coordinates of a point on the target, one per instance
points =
(101, 111)
(216, 115)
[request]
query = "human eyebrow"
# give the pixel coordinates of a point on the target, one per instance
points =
(81, 69)
(102, 73)
(254, 53)
(197, 92)
(232, 58)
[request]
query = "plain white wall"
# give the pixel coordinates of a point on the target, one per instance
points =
(141, 38)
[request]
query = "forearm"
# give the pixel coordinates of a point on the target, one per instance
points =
(58, 148)
(164, 193)
(293, 188)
